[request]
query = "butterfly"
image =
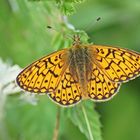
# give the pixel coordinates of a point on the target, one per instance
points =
(81, 72)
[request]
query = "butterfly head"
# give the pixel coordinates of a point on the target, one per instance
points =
(76, 40)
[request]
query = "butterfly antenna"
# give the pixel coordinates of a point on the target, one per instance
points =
(92, 24)
(67, 36)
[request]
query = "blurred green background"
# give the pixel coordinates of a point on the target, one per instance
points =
(25, 38)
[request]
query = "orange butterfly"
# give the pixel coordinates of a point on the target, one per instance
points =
(81, 72)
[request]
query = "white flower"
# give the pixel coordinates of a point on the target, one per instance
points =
(7, 78)
(8, 85)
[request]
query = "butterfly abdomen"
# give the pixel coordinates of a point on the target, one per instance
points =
(79, 65)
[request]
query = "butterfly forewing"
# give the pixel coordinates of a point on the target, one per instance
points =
(119, 65)
(43, 75)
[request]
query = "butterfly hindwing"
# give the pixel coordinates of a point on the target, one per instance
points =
(100, 88)
(68, 91)
(43, 75)
(119, 65)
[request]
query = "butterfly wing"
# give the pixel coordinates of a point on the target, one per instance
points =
(68, 91)
(119, 65)
(51, 74)
(100, 88)
(43, 75)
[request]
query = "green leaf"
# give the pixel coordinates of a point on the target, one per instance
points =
(64, 40)
(85, 117)
(67, 7)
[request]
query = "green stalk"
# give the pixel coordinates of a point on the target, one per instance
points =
(88, 124)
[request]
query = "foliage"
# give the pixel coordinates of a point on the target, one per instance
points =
(66, 6)
(83, 115)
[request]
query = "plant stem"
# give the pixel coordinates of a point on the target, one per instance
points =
(56, 129)
(88, 124)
